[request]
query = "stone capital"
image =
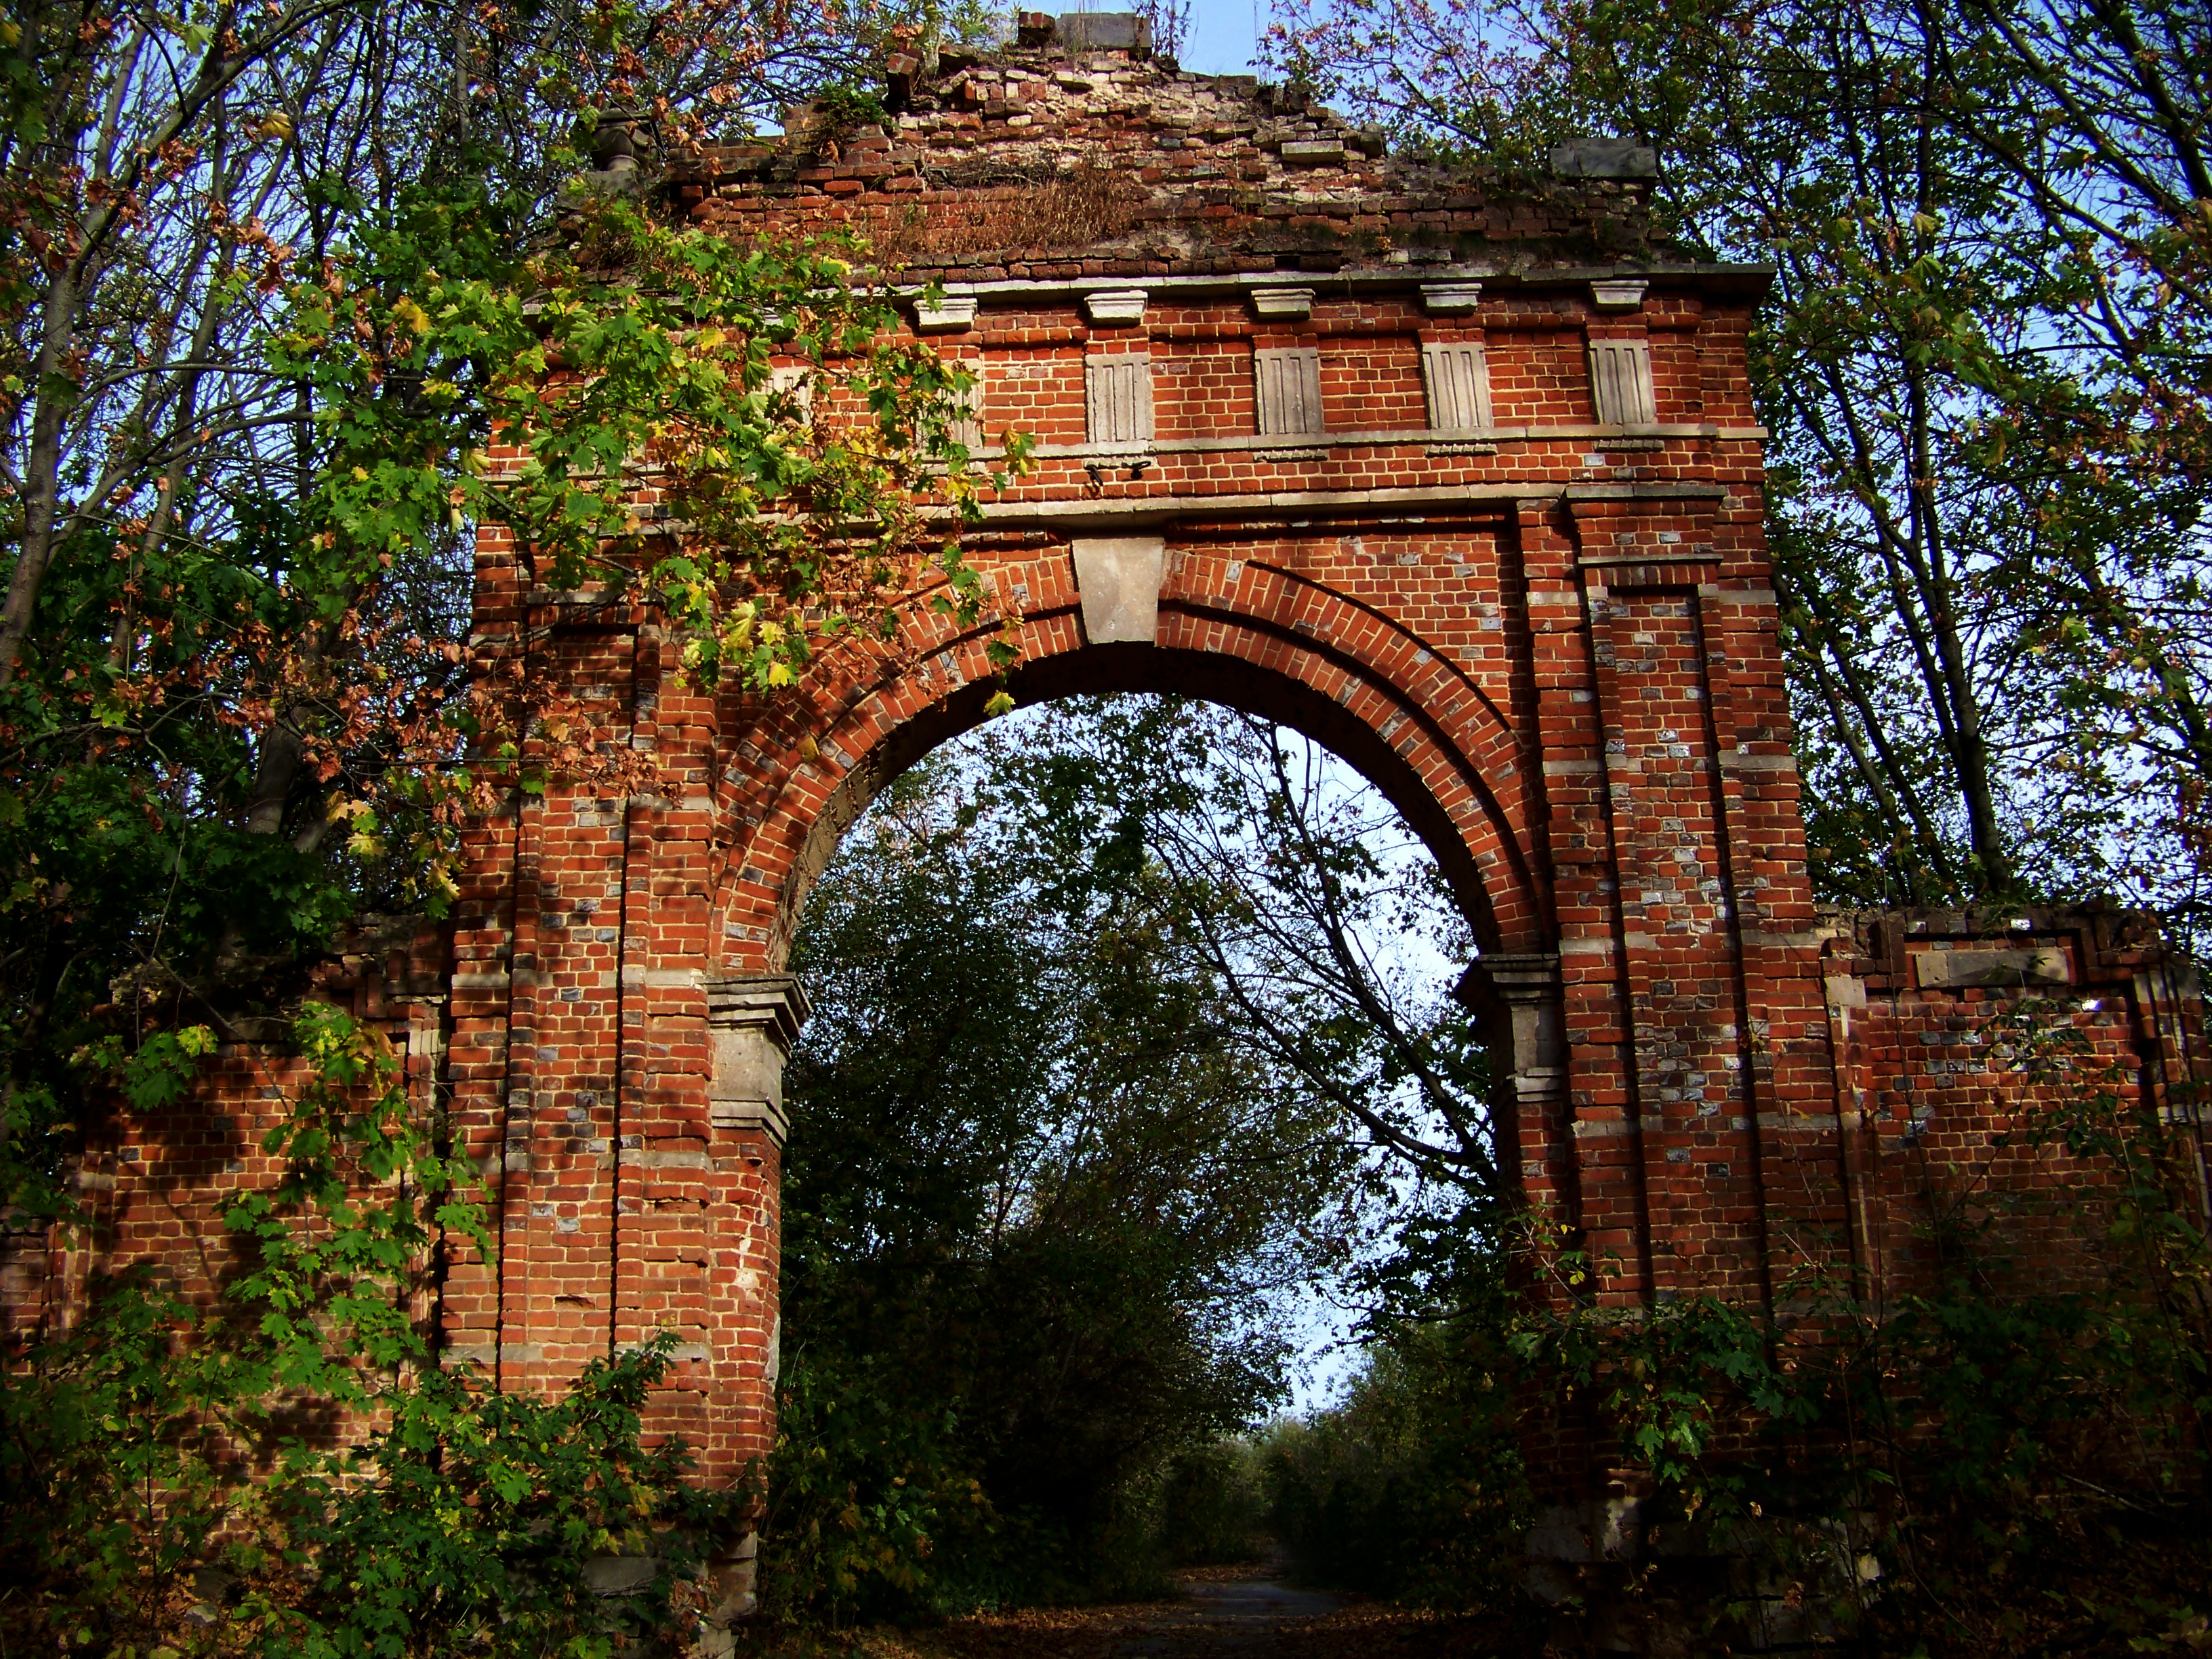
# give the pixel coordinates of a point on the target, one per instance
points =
(1519, 999)
(752, 1020)
(1508, 979)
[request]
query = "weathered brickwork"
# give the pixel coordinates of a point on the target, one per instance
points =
(156, 1184)
(1552, 641)
(1925, 1024)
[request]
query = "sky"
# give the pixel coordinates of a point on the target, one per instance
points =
(1222, 35)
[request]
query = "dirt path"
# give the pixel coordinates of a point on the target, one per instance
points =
(1225, 1613)
(1245, 1615)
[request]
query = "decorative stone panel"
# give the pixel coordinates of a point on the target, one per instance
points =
(1620, 383)
(1117, 395)
(1456, 373)
(967, 430)
(797, 382)
(1287, 385)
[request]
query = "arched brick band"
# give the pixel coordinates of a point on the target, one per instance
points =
(1356, 682)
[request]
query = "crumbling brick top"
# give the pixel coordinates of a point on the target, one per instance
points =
(1051, 160)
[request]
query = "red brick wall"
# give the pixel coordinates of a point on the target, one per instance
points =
(156, 1184)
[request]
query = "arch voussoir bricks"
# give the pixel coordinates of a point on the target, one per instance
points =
(1461, 480)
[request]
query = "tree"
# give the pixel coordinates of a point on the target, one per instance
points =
(1985, 369)
(256, 370)
(1304, 896)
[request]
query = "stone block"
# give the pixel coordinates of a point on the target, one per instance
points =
(1105, 31)
(1605, 158)
(1948, 969)
(1118, 578)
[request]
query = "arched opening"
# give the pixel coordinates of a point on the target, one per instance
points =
(1103, 670)
(935, 1302)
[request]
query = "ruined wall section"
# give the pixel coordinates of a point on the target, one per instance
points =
(1953, 1166)
(154, 1185)
(1052, 163)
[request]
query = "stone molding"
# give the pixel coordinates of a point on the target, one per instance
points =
(1115, 308)
(1450, 299)
(1283, 304)
(953, 313)
(1450, 283)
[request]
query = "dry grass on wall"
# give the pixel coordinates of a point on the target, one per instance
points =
(1007, 213)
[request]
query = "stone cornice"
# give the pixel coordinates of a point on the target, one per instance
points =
(1741, 279)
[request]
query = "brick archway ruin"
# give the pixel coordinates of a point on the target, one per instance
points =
(1461, 476)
